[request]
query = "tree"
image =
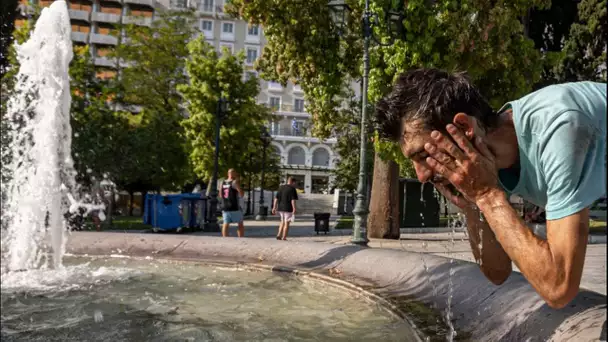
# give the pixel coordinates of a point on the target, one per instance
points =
(348, 133)
(584, 53)
(152, 63)
(98, 131)
(485, 38)
(210, 77)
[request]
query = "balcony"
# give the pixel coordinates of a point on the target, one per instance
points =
(80, 37)
(149, 3)
(97, 38)
(301, 135)
(297, 89)
(141, 21)
(288, 109)
(109, 18)
(79, 15)
(105, 62)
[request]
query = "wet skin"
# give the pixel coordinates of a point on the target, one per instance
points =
(469, 159)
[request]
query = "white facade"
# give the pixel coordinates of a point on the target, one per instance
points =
(304, 157)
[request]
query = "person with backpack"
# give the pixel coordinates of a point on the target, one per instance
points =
(231, 193)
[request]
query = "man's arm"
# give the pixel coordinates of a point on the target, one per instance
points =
(293, 205)
(274, 205)
(553, 267)
(489, 254)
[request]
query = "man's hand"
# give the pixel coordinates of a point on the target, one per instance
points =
(471, 169)
(274, 211)
(458, 200)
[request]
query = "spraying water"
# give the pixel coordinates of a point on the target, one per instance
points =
(41, 170)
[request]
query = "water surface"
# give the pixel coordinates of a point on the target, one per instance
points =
(112, 299)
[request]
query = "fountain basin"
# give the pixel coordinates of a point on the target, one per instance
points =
(481, 311)
(145, 299)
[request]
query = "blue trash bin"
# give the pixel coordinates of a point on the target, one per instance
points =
(174, 212)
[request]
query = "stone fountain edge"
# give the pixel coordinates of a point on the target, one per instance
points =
(512, 311)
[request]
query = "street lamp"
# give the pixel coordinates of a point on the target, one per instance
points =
(265, 138)
(211, 224)
(340, 12)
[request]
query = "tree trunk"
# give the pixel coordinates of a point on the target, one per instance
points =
(383, 220)
(131, 203)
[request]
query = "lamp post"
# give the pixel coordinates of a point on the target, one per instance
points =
(265, 138)
(211, 224)
(340, 11)
(249, 210)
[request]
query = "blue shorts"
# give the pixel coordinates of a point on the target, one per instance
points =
(232, 216)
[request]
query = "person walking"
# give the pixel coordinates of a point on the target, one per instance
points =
(231, 193)
(285, 205)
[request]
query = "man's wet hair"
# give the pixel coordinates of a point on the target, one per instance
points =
(433, 97)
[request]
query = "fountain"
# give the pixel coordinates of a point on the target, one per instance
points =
(41, 168)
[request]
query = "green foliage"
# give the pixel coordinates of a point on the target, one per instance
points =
(211, 77)
(482, 37)
(97, 130)
(584, 53)
(154, 64)
(8, 14)
(348, 133)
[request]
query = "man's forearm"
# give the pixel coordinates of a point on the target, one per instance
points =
(532, 255)
(489, 254)
(293, 205)
(274, 204)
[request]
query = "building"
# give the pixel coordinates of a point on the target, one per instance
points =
(307, 159)
(94, 24)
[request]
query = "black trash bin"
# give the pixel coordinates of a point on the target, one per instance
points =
(322, 222)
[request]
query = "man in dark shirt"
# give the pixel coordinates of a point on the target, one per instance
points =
(231, 192)
(285, 204)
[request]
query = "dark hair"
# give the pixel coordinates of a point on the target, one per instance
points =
(432, 96)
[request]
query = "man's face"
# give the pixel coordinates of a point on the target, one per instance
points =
(412, 145)
(231, 174)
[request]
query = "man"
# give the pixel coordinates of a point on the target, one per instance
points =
(285, 204)
(548, 147)
(231, 193)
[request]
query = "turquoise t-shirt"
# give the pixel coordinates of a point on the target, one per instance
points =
(561, 131)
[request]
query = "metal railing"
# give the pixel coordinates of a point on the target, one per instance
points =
(287, 108)
(290, 132)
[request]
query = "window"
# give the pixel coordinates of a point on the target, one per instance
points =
(274, 128)
(298, 106)
(252, 55)
(297, 128)
(207, 5)
(253, 30)
(275, 103)
(296, 156)
(228, 28)
(181, 3)
(206, 25)
(320, 157)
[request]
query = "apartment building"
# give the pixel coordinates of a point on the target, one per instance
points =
(309, 160)
(94, 24)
